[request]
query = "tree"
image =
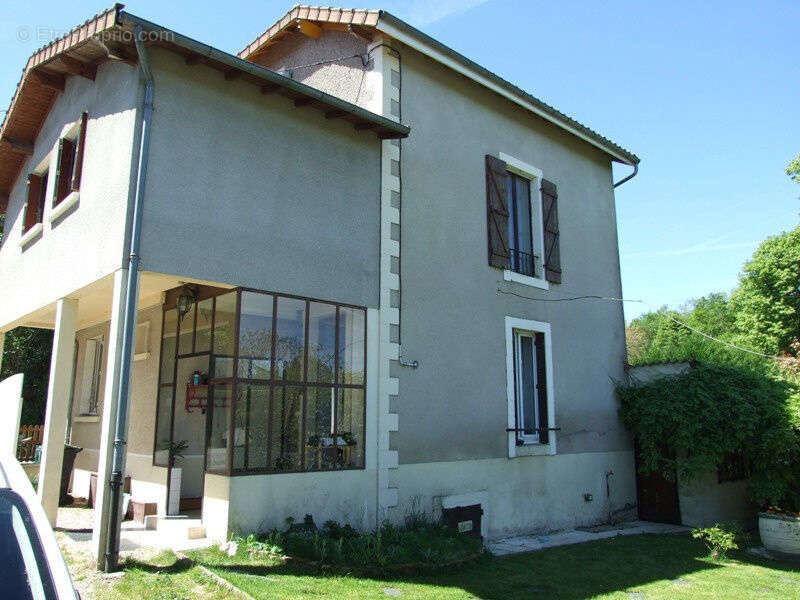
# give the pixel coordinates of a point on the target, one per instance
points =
(793, 170)
(767, 302)
(27, 351)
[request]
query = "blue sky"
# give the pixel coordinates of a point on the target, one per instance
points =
(706, 94)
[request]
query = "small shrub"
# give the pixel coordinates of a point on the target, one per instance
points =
(719, 539)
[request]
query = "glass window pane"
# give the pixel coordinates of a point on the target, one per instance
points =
(528, 384)
(163, 425)
(255, 336)
(203, 339)
(350, 425)
(168, 346)
(512, 225)
(523, 217)
(224, 323)
(186, 337)
(351, 345)
(217, 446)
(321, 342)
(290, 343)
(285, 415)
(256, 399)
(320, 451)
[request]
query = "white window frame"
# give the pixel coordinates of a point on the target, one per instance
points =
(534, 175)
(531, 444)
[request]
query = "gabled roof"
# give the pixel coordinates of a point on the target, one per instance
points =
(384, 22)
(109, 36)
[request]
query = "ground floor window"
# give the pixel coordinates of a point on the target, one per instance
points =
(283, 389)
(529, 376)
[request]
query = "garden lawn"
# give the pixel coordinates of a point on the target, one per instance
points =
(625, 568)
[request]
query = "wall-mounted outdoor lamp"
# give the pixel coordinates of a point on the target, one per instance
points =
(185, 301)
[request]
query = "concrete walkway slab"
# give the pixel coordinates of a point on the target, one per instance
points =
(532, 543)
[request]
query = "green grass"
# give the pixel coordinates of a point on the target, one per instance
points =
(649, 567)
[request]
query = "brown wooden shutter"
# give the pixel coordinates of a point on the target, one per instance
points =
(552, 253)
(541, 388)
(77, 171)
(64, 165)
(497, 212)
(32, 208)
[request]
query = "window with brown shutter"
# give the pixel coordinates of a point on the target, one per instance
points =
(34, 205)
(552, 253)
(69, 163)
(64, 167)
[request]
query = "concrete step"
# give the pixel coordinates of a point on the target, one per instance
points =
(176, 527)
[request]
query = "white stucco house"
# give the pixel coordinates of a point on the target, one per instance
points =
(329, 269)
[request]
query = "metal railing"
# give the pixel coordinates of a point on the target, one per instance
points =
(30, 436)
(523, 263)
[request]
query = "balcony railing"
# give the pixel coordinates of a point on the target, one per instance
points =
(523, 263)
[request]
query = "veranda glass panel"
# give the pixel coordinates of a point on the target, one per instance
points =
(251, 409)
(350, 423)
(217, 446)
(168, 346)
(290, 343)
(351, 345)
(285, 415)
(320, 451)
(224, 335)
(163, 425)
(321, 342)
(203, 339)
(255, 336)
(186, 337)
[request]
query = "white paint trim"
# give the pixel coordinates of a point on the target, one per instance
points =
(30, 234)
(537, 282)
(86, 419)
(63, 206)
(428, 50)
(515, 323)
(520, 167)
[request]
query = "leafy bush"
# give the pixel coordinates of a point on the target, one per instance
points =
(719, 539)
(341, 545)
(713, 411)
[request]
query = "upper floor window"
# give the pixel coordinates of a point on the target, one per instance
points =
(522, 217)
(34, 206)
(69, 164)
(524, 225)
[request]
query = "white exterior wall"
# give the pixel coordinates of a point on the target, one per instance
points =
(524, 494)
(86, 243)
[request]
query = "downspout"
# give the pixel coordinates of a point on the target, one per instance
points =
(629, 177)
(129, 314)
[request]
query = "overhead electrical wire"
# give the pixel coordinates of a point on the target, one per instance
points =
(670, 317)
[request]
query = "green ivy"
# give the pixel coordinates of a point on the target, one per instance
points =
(689, 423)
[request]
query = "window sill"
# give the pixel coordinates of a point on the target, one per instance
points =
(535, 449)
(537, 282)
(86, 419)
(63, 206)
(30, 234)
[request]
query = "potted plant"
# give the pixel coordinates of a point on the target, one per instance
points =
(780, 532)
(176, 450)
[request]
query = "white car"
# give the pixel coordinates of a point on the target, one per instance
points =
(31, 564)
